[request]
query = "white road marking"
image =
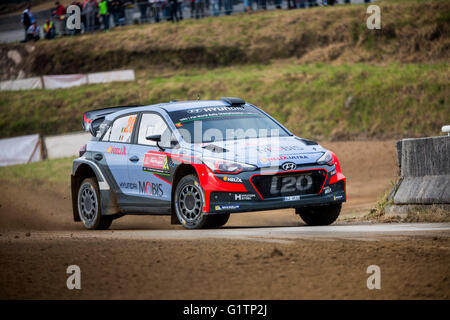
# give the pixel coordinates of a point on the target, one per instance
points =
(368, 232)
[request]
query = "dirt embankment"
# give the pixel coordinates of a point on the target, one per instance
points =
(411, 32)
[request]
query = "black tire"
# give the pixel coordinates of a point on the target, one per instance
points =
(320, 215)
(89, 206)
(217, 220)
(189, 198)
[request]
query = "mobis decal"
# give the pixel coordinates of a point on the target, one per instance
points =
(153, 189)
(112, 150)
(156, 163)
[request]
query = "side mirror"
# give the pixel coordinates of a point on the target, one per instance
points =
(154, 137)
(174, 143)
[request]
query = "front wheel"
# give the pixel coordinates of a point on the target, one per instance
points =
(218, 220)
(89, 206)
(320, 215)
(189, 199)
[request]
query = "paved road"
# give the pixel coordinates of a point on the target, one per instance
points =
(366, 232)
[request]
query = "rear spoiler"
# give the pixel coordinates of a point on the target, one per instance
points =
(93, 118)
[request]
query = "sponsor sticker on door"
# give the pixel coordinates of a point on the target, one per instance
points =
(156, 163)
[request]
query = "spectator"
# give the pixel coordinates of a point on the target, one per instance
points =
(90, 10)
(199, 9)
(59, 9)
(143, 6)
(228, 4)
(78, 4)
(156, 9)
(173, 10)
(33, 32)
(277, 4)
(291, 4)
(248, 5)
(115, 11)
(49, 30)
(165, 9)
(129, 11)
(192, 8)
(103, 12)
(58, 16)
(180, 6)
(27, 19)
(215, 7)
(262, 4)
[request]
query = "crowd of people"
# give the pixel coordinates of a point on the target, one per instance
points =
(98, 14)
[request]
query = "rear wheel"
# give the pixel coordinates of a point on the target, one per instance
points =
(89, 206)
(320, 215)
(189, 199)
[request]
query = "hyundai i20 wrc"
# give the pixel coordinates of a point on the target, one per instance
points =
(200, 161)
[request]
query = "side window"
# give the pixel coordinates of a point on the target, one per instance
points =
(152, 124)
(122, 129)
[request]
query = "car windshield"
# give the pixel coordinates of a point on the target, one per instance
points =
(208, 124)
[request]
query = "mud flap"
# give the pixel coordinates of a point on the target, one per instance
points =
(74, 186)
(174, 218)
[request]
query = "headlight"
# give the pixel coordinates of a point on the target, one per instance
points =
(226, 166)
(326, 158)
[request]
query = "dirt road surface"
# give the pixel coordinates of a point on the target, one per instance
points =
(261, 255)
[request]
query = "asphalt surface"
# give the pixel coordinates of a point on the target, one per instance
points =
(367, 232)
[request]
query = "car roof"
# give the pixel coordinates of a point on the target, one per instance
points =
(168, 107)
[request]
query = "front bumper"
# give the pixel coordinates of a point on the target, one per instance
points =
(332, 191)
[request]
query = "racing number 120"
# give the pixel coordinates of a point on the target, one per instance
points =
(291, 184)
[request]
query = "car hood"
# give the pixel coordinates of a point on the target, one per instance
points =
(263, 152)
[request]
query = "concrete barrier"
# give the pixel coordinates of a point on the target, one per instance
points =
(424, 171)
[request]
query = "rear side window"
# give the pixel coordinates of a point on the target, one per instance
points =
(122, 129)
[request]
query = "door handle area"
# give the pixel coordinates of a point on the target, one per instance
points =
(98, 157)
(134, 159)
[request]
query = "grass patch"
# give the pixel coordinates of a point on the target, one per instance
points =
(433, 214)
(56, 171)
(412, 31)
(313, 100)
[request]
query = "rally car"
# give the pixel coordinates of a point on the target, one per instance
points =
(200, 161)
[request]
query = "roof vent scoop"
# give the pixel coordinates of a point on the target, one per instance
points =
(232, 101)
(214, 148)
